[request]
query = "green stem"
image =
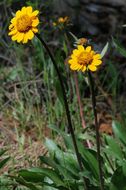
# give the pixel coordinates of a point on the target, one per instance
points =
(80, 106)
(70, 127)
(109, 162)
(97, 131)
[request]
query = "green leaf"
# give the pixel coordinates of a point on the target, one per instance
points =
(67, 137)
(113, 148)
(14, 73)
(104, 50)
(59, 168)
(2, 152)
(30, 185)
(74, 37)
(52, 147)
(65, 48)
(59, 90)
(119, 131)
(112, 187)
(47, 172)
(119, 47)
(3, 162)
(49, 187)
(65, 159)
(56, 129)
(119, 179)
(31, 176)
(124, 167)
(90, 159)
(48, 161)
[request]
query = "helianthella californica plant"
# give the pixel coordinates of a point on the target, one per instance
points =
(85, 59)
(23, 27)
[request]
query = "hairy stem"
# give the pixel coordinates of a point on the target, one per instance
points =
(97, 131)
(70, 127)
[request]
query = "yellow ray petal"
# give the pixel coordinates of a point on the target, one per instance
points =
(35, 22)
(92, 67)
(11, 26)
(13, 20)
(18, 13)
(88, 49)
(96, 62)
(80, 48)
(75, 52)
(30, 34)
(84, 68)
(73, 56)
(20, 37)
(25, 39)
(92, 53)
(80, 67)
(14, 38)
(23, 10)
(73, 61)
(74, 67)
(35, 30)
(12, 32)
(97, 56)
(29, 10)
(35, 13)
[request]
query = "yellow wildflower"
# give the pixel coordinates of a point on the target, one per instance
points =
(63, 19)
(23, 25)
(82, 41)
(84, 58)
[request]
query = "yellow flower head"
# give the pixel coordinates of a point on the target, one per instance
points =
(23, 25)
(84, 59)
(82, 41)
(63, 19)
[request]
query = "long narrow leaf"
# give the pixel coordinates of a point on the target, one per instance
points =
(119, 47)
(3, 162)
(103, 52)
(119, 131)
(47, 172)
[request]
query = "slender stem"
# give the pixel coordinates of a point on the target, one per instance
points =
(79, 101)
(80, 107)
(70, 127)
(97, 131)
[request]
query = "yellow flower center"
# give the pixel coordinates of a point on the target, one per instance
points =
(24, 23)
(85, 58)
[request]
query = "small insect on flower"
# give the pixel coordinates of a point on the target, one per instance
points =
(24, 25)
(84, 58)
